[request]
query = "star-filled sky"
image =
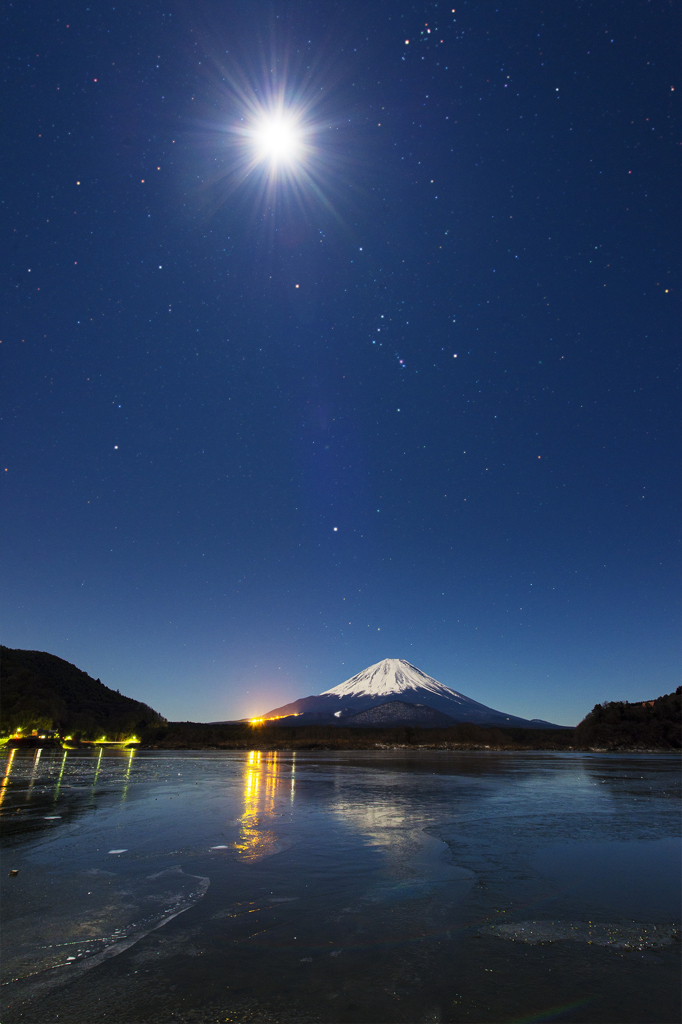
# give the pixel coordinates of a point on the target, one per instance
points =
(342, 331)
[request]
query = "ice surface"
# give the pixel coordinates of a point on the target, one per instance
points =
(398, 859)
(92, 916)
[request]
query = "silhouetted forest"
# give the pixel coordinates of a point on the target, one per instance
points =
(41, 691)
(644, 724)
(243, 736)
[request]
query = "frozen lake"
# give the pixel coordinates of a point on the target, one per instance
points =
(340, 886)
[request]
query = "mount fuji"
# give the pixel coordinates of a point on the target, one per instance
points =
(390, 680)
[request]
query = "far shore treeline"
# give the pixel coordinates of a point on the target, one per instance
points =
(244, 736)
(46, 695)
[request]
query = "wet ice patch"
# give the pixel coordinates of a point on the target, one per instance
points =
(639, 881)
(614, 936)
(419, 866)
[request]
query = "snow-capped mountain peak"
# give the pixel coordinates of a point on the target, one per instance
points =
(389, 677)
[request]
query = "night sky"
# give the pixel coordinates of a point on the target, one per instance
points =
(408, 391)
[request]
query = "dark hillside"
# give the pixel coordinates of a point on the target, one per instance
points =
(396, 713)
(41, 691)
(647, 724)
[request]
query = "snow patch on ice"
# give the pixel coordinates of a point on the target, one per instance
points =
(615, 936)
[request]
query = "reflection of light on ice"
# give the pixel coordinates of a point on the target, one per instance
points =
(261, 780)
(94, 781)
(126, 777)
(59, 780)
(8, 768)
(396, 827)
(31, 781)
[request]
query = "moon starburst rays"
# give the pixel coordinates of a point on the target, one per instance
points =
(274, 149)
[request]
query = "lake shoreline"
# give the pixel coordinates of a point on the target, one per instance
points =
(454, 747)
(463, 736)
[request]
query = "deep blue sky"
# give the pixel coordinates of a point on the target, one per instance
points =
(223, 491)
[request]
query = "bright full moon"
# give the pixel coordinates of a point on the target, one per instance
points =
(278, 140)
(273, 143)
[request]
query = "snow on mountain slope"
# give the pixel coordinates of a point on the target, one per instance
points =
(388, 677)
(396, 678)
